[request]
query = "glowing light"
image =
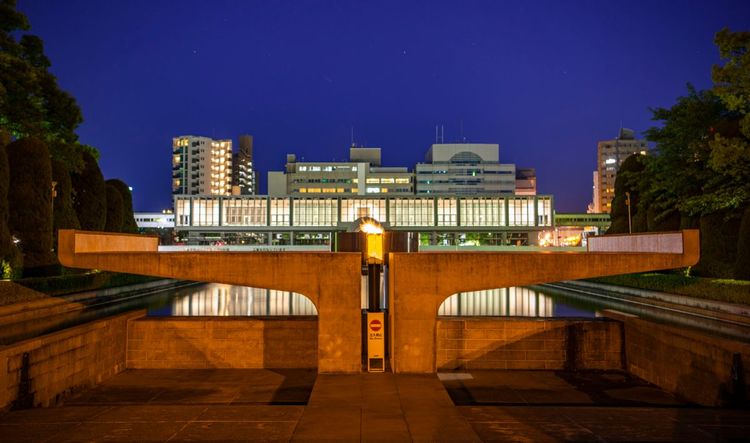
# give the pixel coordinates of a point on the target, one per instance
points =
(370, 228)
(609, 161)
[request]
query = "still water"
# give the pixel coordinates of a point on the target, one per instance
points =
(215, 299)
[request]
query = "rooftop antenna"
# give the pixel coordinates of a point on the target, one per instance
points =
(439, 134)
(353, 144)
(463, 140)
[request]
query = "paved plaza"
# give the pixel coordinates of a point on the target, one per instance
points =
(282, 405)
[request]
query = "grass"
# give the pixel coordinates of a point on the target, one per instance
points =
(89, 281)
(726, 290)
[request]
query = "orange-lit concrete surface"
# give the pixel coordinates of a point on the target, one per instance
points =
(330, 280)
(419, 282)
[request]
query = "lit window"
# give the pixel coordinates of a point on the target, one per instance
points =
(373, 180)
(302, 168)
(403, 180)
(315, 168)
(387, 180)
(355, 180)
(372, 190)
(610, 161)
(384, 190)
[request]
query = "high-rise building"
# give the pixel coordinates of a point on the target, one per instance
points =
(201, 166)
(243, 172)
(610, 155)
(465, 168)
(361, 175)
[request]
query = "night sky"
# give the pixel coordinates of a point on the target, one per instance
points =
(545, 80)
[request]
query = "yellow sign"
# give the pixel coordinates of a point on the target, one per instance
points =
(375, 342)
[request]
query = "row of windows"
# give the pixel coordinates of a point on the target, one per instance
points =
(484, 212)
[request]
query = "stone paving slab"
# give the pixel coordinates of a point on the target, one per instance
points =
(575, 423)
(373, 407)
(381, 407)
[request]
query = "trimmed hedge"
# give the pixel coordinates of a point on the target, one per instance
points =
(30, 202)
(90, 195)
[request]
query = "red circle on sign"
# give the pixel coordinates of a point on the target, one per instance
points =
(375, 325)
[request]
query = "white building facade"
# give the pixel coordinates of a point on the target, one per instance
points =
(201, 166)
(465, 168)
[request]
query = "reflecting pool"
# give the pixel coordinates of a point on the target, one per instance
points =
(214, 299)
(512, 302)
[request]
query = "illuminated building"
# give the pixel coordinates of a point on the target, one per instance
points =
(361, 175)
(243, 172)
(610, 155)
(465, 168)
(306, 220)
(201, 165)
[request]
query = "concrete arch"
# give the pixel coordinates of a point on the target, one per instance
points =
(420, 282)
(331, 280)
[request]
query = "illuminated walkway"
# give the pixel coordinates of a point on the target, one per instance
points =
(282, 405)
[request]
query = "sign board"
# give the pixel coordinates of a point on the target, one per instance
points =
(375, 342)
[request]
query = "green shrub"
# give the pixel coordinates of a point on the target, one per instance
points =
(7, 247)
(719, 233)
(742, 264)
(90, 195)
(114, 209)
(30, 201)
(128, 218)
(63, 215)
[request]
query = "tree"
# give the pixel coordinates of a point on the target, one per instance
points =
(30, 200)
(128, 218)
(31, 102)
(115, 209)
(63, 216)
(678, 172)
(629, 179)
(90, 195)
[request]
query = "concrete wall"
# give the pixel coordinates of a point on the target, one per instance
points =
(516, 343)
(670, 242)
(691, 364)
(65, 361)
(191, 343)
(419, 282)
(91, 241)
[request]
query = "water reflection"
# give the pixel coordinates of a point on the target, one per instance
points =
(509, 302)
(225, 300)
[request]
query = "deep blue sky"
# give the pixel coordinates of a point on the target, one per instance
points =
(545, 80)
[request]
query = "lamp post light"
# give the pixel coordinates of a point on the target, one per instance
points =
(627, 203)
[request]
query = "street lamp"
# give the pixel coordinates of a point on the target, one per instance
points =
(627, 203)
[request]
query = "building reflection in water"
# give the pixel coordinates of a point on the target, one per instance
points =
(505, 302)
(226, 300)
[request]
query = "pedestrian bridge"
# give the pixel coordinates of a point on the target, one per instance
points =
(417, 282)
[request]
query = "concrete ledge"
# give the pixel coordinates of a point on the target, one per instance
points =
(221, 342)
